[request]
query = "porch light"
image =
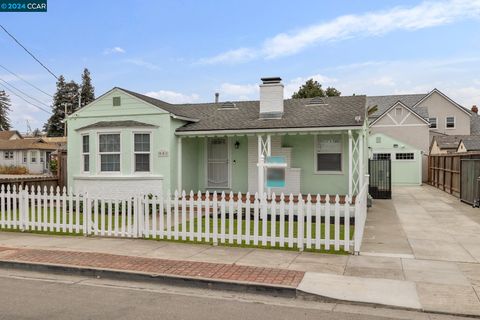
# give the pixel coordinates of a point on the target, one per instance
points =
(237, 145)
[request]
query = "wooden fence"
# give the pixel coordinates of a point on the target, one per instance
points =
(211, 218)
(444, 171)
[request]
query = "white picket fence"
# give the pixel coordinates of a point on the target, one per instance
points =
(210, 218)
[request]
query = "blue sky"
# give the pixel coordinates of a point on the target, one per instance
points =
(184, 51)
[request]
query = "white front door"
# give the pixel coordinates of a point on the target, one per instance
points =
(218, 163)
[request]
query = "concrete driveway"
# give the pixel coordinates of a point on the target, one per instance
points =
(423, 223)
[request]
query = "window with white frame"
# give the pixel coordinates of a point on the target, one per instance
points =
(450, 122)
(405, 156)
(8, 155)
(141, 151)
(328, 153)
(381, 156)
(86, 153)
(33, 156)
(109, 151)
(25, 156)
(433, 123)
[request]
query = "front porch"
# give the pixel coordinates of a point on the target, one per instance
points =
(318, 162)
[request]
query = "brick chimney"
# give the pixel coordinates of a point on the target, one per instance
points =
(474, 109)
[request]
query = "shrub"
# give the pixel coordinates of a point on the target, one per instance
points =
(53, 165)
(13, 170)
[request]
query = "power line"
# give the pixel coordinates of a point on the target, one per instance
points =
(31, 54)
(18, 90)
(31, 84)
(32, 104)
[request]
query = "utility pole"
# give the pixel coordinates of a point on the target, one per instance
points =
(65, 119)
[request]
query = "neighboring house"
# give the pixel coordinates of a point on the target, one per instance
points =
(126, 143)
(406, 160)
(30, 153)
(446, 144)
(470, 144)
(418, 119)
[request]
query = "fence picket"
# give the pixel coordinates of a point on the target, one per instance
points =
(222, 218)
(77, 213)
(300, 222)
(154, 217)
(58, 217)
(273, 219)
(231, 212)
(124, 217)
(168, 205)
(109, 218)
(116, 221)
(102, 217)
(255, 219)
(337, 223)
(309, 222)
(145, 216)
(184, 216)
(327, 222)
(95, 222)
(318, 223)
(70, 211)
(130, 229)
(239, 218)
(191, 217)
(264, 216)
(291, 214)
(175, 216)
(161, 213)
(215, 218)
(207, 217)
(247, 218)
(15, 213)
(199, 216)
(38, 197)
(45, 209)
(346, 223)
(63, 196)
(281, 239)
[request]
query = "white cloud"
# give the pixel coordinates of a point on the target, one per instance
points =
(384, 81)
(424, 15)
(113, 50)
(143, 63)
(238, 91)
(173, 97)
(230, 57)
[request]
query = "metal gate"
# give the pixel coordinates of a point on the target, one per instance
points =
(380, 178)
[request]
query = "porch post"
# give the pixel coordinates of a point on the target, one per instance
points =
(269, 153)
(361, 171)
(260, 167)
(350, 163)
(179, 164)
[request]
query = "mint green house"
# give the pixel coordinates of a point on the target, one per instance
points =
(128, 143)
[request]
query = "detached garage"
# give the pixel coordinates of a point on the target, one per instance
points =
(406, 161)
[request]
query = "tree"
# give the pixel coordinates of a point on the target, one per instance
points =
(87, 90)
(66, 96)
(37, 133)
(312, 88)
(332, 92)
(4, 110)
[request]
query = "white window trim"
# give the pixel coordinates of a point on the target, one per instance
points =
(379, 152)
(82, 169)
(9, 158)
(315, 143)
(454, 123)
(99, 155)
(25, 157)
(436, 123)
(134, 153)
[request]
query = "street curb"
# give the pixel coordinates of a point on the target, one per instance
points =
(203, 283)
(197, 282)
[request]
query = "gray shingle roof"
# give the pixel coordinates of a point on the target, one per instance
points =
(298, 113)
(116, 124)
(472, 143)
(385, 102)
(449, 142)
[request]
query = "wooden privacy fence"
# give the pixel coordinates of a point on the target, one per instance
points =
(444, 171)
(255, 221)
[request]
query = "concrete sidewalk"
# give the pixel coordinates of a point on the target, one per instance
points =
(430, 285)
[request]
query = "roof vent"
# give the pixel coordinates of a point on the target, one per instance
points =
(317, 101)
(228, 105)
(358, 119)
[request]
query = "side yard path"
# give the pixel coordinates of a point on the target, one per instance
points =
(419, 284)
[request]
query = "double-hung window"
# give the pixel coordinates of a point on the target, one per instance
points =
(25, 156)
(109, 151)
(33, 156)
(450, 122)
(42, 157)
(86, 153)
(433, 123)
(141, 151)
(328, 153)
